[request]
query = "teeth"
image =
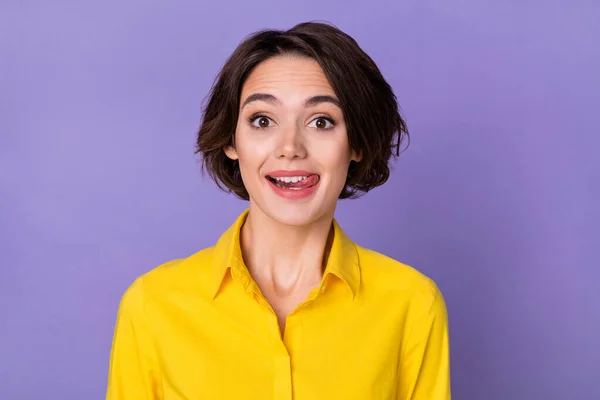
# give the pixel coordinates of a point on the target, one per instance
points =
(290, 179)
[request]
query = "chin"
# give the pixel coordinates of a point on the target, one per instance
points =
(292, 210)
(294, 220)
(296, 214)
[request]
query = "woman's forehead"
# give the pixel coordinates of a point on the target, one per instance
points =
(287, 76)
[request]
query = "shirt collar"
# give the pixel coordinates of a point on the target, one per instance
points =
(342, 263)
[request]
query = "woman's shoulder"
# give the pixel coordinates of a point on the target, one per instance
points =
(387, 273)
(174, 275)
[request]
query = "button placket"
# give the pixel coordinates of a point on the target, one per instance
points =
(283, 376)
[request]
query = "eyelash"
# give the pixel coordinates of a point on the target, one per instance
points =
(325, 117)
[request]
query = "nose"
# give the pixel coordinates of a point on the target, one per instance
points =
(290, 144)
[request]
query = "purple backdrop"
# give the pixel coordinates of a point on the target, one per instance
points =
(496, 199)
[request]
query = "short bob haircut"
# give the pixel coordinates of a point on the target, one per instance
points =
(374, 125)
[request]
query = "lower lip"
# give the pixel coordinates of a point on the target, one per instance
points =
(293, 194)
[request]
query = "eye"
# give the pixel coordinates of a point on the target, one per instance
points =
(261, 122)
(321, 123)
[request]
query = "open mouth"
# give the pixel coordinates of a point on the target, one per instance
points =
(294, 182)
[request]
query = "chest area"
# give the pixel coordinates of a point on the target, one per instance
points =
(324, 353)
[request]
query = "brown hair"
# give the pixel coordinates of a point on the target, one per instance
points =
(374, 125)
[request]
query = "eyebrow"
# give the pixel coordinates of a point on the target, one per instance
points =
(311, 102)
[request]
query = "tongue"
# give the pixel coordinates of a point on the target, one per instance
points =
(308, 182)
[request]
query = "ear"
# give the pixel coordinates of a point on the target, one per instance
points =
(356, 156)
(231, 152)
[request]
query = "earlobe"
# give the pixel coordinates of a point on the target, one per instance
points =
(231, 152)
(356, 156)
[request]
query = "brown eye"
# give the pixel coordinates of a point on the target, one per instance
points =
(261, 122)
(321, 123)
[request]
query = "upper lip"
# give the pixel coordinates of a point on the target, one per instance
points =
(284, 173)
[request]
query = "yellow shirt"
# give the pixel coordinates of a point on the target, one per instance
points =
(199, 328)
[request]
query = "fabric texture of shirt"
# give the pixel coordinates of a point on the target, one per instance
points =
(199, 328)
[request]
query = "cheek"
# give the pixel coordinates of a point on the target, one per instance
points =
(251, 154)
(243, 145)
(336, 161)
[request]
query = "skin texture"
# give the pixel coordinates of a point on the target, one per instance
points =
(285, 241)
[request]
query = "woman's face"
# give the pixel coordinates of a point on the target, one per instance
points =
(291, 141)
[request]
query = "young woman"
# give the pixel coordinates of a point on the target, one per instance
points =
(285, 305)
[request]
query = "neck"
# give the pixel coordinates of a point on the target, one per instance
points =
(285, 258)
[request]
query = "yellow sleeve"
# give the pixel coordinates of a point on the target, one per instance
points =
(133, 371)
(425, 362)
